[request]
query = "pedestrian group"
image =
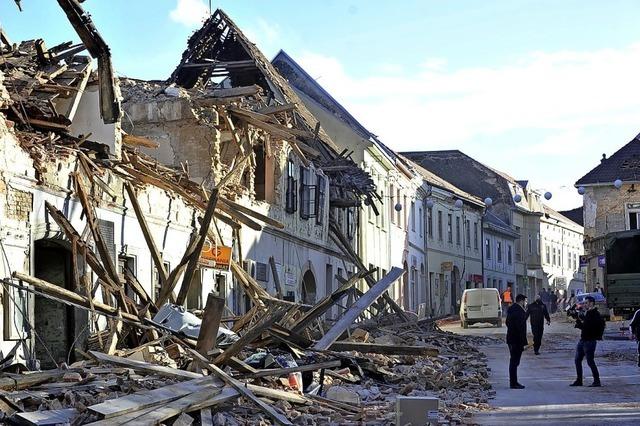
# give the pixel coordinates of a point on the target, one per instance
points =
(589, 321)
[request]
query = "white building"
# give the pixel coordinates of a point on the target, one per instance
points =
(499, 244)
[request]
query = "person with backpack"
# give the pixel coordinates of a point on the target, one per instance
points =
(592, 327)
(634, 327)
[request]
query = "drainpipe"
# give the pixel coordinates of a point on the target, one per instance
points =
(482, 247)
(426, 252)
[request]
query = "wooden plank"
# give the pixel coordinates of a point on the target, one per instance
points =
(202, 236)
(210, 323)
(250, 335)
(241, 388)
(274, 372)
(374, 348)
(63, 416)
(276, 277)
(205, 417)
(148, 236)
(144, 366)
(207, 397)
(357, 308)
(147, 398)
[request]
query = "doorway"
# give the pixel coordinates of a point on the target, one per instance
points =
(308, 288)
(54, 321)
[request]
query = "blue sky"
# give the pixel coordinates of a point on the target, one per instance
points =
(538, 89)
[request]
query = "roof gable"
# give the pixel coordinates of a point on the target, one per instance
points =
(624, 164)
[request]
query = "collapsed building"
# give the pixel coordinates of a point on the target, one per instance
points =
(140, 218)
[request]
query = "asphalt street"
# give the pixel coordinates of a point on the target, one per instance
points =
(548, 399)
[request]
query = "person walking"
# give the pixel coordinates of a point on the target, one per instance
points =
(544, 295)
(553, 299)
(507, 299)
(516, 338)
(592, 327)
(634, 327)
(537, 313)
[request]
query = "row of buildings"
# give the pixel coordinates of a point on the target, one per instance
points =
(301, 182)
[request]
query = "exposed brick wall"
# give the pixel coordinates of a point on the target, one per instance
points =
(19, 205)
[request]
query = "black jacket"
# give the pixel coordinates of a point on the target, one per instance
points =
(590, 325)
(537, 312)
(516, 325)
(635, 324)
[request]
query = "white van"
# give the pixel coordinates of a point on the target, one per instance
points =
(481, 305)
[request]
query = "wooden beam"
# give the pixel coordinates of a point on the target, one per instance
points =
(144, 366)
(133, 140)
(253, 213)
(276, 278)
(202, 236)
(70, 296)
(166, 292)
(103, 251)
(241, 388)
(275, 372)
(324, 305)
(250, 335)
(210, 323)
(275, 109)
(26, 381)
(357, 308)
(148, 237)
(374, 348)
(345, 245)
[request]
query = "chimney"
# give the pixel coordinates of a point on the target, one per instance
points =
(604, 157)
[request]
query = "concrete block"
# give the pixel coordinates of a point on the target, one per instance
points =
(416, 410)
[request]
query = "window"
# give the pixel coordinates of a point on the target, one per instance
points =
(439, 225)
(430, 222)
(307, 194)
(530, 245)
(468, 232)
(518, 245)
(457, 230)
(392, 204)
(499, 251)
(413, 216)
(450, 228)
(157, 284)
(554, 256)
(351, 224)
(320, 198)
(509, 255)
(420, 221)
(381, 222)
(487, 248)
(475, 235)
(548, 254)
(292, 189)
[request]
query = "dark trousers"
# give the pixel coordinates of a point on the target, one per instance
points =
(586, 348)
(638, 339)
(514, 361)
(537, 336)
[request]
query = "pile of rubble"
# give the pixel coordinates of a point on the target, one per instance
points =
(145, 386)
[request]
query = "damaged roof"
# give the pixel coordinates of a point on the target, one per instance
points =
(624, 164)
(466, 173)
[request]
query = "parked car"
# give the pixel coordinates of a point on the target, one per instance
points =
(601, 303)
(480, 305)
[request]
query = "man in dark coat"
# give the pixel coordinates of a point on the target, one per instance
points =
(537, 312)
(591, 325)
(516, 337)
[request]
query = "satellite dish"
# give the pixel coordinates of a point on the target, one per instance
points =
(617, 183)
(581, 190)
(548, 195)
(398, 207)
(517, 198)
(458, 204)
(488, 201)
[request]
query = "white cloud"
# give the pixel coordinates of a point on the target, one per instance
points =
(576, 102)
(190, 12)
